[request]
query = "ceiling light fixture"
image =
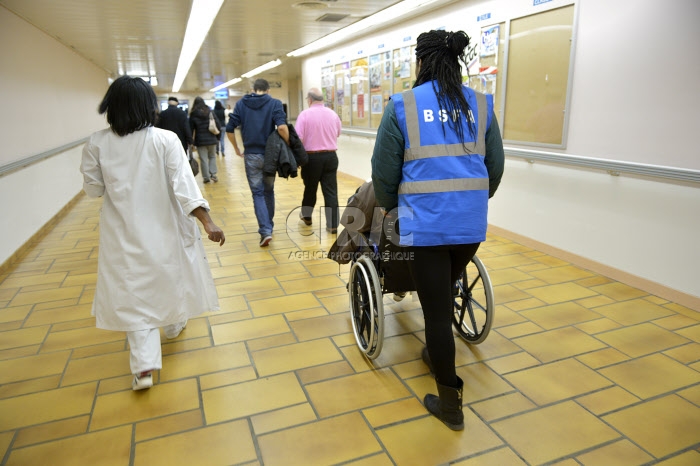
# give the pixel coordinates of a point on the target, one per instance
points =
(226, 84)
(260, 69)
(389, 14)
(201, 18)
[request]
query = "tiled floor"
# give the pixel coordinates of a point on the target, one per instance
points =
(578, 369)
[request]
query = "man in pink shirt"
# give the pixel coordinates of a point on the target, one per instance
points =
(318, 128)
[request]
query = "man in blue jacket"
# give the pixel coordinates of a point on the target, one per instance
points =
(256, 115)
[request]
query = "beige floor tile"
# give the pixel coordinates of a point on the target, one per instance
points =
(402, 322)
(602, 358)
(594, 301)
(110, 447)
(23, 337)
(524, 304)
(232, 304)
(284, 304)
(11, 314)
(558, 344)
(693, 314)
(686, 354)
(354, 392)
(500, 457)
(675, 426)
(178, 346)
(102, 348)
(641, 339)
(561, 274)
(275, 270)
(320, 327)
(618, 453)
(51, 405)
(599, 325)
(607, 400)
(691, 394)
(553, 432)
(556, 381)
(560, 293)
(651, 375)
(212, 444)
(690, 332)
(96, 368)
(503, 276)
(394, 412)
(511, 363)
(230, 316)
(493, 347)
(305, 314)
(30, 386)
(296, 356)
(247, 287)
(633, 312)
(396, 350)
(560, 315)
(18, 352)
(228, 377)
(675, 322)
(619, 291)
(508, 293)
(203, 361)
(426, 441)
(335, 304)
(20, 280)
(32, 367)
(57, 341)
(312, 284)
(249, 329)
(502, 406)
(283, 418)
(55, 294)
(519, 330)
(168, 425)
(329, 441)
(593, 281)
(5, 441)
(375, 460)
(689, 458)
(504, 317)
(250, 258)
(249, 398)
(126, 407)
(51, 431)
(511, 260)
(324, 372)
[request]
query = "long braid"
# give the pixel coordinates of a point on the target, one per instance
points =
(440, 53)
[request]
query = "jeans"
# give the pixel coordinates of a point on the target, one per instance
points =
(222, 141)
(207, 158)
(322, 168)
(263, 190)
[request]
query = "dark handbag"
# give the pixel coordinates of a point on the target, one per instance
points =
(193, 163)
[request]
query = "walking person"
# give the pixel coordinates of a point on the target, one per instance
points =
(175, 120)
(152, 270)
(257, 115)
(220, 113)
(318, 128)
(439, 157)
(205, 141)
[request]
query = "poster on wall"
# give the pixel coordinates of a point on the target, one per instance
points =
(377, 106)
(489, 41)
(375, 72)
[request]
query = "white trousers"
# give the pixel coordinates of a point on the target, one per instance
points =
(145, 347)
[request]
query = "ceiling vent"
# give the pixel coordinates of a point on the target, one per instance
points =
(332, 17)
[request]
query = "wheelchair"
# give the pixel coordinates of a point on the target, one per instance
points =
(375, 271)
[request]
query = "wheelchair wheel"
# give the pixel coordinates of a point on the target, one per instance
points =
(473, 303)
(366, 307)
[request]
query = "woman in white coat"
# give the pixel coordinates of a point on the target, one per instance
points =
(152, 270)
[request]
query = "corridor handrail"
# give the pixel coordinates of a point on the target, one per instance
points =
(17, 164)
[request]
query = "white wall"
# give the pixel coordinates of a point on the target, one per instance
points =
(634, 98)
(49, 96)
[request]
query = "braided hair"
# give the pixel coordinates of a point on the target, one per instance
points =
(439, 53)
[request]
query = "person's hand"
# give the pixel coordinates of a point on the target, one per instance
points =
(215, 233)
(238, 152)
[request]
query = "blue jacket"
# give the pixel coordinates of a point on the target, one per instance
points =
(444, 189)
(256, 115)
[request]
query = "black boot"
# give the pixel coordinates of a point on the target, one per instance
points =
(426, 359)
(448, 406)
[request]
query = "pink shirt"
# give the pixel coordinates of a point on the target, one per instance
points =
(318, 128)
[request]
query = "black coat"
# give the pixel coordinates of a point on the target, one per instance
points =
(199, 123)
(279, 158)
(175, 120)
(297, 147)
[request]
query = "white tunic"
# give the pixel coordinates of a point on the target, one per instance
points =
(152, 269)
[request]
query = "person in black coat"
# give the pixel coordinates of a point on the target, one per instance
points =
(175, 120)
(204, 140)
(220, 113)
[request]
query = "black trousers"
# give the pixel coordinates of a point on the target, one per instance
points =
(322, 168)
(434, 270)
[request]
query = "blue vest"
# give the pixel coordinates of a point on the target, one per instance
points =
(444, 189)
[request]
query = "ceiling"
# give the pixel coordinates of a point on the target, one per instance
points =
(143, 38)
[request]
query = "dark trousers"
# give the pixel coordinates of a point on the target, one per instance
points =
(322, 168)
(434, 270)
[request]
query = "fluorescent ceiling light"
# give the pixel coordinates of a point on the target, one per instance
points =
(386, 15)
(201, 18)
(260, 69)
(226, 84)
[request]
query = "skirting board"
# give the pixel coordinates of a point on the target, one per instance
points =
(678, 297)
(23, 250)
